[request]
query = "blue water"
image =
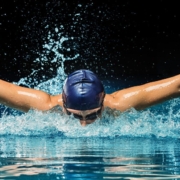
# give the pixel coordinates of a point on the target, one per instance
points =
(89, 158)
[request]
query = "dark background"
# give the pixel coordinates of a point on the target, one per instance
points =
(120, 39)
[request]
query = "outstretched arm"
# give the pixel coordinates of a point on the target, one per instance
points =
(143, 96)
(23, 99)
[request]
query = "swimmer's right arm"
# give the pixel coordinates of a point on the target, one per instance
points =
(24, 99)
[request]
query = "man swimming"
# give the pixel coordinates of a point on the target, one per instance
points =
(83, 96)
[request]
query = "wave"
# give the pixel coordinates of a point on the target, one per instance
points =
(158, 121)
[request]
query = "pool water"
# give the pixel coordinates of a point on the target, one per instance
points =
(129, 145)
(89, 158)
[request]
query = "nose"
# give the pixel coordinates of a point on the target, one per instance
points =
(86, 122)
(83, 123)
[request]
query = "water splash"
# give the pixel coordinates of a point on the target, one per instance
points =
(159, 121)
(148, 123)
(52, 47)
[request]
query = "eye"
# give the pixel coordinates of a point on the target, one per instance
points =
(91, 116)
(77, 116)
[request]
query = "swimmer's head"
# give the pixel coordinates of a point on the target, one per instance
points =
(83, 90)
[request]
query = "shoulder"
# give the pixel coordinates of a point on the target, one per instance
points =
(56, 100)
(124, 99)
(114, 100)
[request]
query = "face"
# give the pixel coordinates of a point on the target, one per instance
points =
(86, 117)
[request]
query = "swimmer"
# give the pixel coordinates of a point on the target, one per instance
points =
(83, 96)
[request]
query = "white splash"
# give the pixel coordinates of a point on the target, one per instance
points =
(158, 121)
(51, 46)
(161, 121)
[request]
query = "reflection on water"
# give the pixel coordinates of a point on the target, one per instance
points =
(89, 158)
(130, 145)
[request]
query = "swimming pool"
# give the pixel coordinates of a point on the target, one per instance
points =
(130, 145)
(89, 158)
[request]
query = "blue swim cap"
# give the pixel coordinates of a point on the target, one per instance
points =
(83, 91)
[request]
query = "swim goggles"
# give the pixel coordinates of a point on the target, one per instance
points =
(91, 116)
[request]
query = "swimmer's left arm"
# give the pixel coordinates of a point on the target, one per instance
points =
(143, 96)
